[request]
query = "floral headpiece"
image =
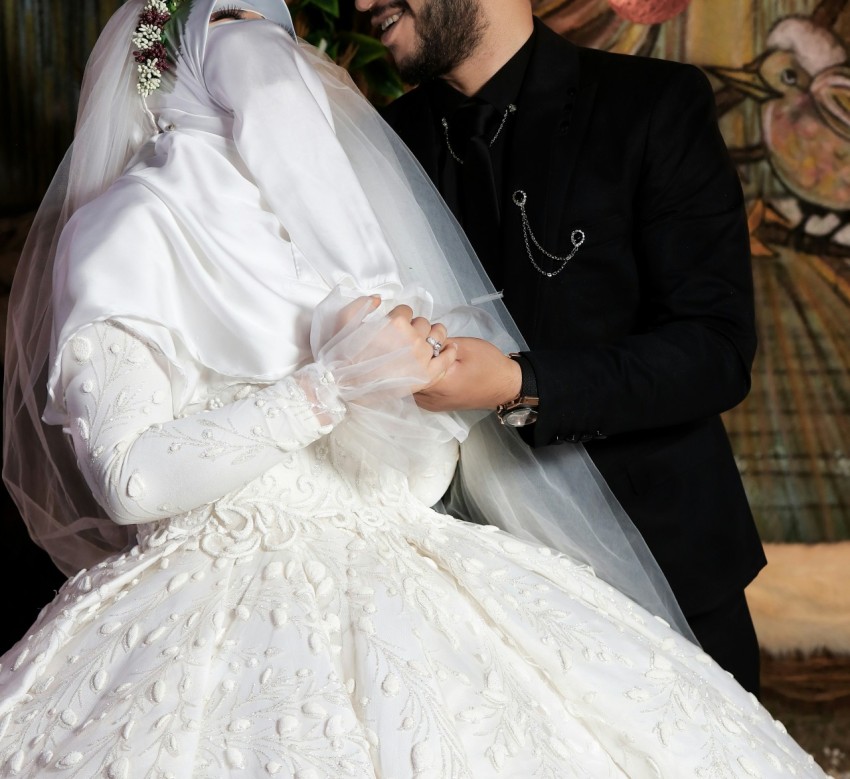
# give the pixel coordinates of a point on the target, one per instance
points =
(152, 55)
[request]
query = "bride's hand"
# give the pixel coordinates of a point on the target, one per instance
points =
(357, 310)
(414, 332)
(374, 355)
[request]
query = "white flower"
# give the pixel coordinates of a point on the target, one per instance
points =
(149, 78)
(147, 35)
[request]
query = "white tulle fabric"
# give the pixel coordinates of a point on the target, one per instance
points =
(266, 183)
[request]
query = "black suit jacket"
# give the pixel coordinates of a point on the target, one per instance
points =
(648, 334)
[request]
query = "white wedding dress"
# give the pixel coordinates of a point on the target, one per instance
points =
(293, 607)
(320, 620)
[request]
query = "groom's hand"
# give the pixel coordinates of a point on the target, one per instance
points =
(481, 377)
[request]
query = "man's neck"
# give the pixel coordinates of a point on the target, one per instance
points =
(503, 37)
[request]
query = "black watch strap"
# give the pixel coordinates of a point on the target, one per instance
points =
(522, 410)
(529, 378)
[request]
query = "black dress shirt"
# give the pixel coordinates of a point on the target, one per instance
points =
(499, 92)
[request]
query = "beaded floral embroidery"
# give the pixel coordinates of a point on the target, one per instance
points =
(151, 54)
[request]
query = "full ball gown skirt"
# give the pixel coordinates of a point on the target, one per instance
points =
(318, 624)
(320, 621)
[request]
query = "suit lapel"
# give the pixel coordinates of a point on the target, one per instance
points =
(555, 106)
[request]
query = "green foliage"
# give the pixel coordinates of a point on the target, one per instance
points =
(329, 28)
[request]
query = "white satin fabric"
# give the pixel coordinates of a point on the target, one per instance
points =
(156, 253)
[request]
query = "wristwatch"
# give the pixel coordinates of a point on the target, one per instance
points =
(522, 410)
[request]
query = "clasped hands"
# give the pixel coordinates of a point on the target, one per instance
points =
(465, 373)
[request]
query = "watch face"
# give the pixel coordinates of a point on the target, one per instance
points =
(519, 417)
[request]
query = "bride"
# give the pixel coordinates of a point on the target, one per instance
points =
(229, 297)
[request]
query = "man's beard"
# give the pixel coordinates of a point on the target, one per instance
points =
(447, 32)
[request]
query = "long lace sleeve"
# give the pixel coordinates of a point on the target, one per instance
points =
(141, 463)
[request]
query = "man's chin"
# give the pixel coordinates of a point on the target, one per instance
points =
(408, 68)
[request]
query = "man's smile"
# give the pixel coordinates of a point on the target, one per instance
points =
(387, 17)
(390, 21)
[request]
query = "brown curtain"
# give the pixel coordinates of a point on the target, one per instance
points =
(45, 45)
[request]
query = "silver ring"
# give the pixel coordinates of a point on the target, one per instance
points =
(435, 344)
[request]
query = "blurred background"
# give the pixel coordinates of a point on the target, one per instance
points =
(781, 74)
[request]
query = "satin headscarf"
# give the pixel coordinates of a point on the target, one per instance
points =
(222, 236)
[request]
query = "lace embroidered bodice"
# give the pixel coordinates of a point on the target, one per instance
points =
(294, 609)
(143, 464)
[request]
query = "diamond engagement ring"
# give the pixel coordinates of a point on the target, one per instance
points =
(435, 344)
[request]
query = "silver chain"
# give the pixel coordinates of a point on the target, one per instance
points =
(576, 238)
(445, 122)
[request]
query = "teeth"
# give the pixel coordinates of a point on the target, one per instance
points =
(389, 22)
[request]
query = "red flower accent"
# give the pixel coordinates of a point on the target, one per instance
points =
(158, 53)
(157, 18)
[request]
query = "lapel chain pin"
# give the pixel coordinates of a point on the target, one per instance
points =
(576, 238)
(445, 122)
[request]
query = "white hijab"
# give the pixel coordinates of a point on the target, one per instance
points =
(216, 244)
(222, 236)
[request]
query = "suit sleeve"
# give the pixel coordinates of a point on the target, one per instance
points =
(691, 356)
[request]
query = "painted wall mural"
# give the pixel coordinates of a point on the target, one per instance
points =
(781, 76)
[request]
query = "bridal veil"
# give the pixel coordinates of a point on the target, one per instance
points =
(395, 219)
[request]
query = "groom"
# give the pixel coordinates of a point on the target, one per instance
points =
(598, 194)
